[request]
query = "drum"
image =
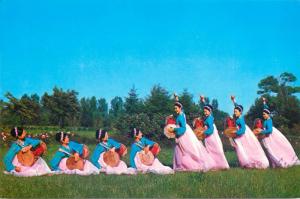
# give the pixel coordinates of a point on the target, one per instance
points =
(170, 120)
(122, 151)
(40, 150)
(230, 128)
(146, 158)
(73, 164)
(29, 157)
(229, 122)
(26, 158)
(257, 128)
(257, 131)
(198, 122)
(230, 132)
(111, 158)
(155, 149)
(199, 132)
(85, 152)
(169, 132)
(198, 125)
(258, 124)
(169, 124)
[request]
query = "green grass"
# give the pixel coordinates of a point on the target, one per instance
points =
(235, 182)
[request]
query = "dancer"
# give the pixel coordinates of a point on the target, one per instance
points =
(249, 151)
(189, 153)
(71, 157)
(212, 139)
(21, 158)
(142, 157)
(110, 162)
(279, 149)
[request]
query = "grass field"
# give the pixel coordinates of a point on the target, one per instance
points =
(235, 182)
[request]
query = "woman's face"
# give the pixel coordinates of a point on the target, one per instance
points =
(105, 137)
(140, 135)
(206, 112)
(265, 116)
(23, 135)
(237, 113)
(177, 109)
(66, 140)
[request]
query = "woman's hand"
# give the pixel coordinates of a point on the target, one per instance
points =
(232, 97)
(18, 169)
(76, 156)
(202, 98)
(147, 149)
(26, 148)
(171, 129)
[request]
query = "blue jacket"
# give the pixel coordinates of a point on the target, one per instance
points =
(268, 127)
(65, 152)
(240, 123)
(15, 148)
(209, 123)
(181, 122)
(137, 147)
(103, 147)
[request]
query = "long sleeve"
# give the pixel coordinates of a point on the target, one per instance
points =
(96, 154)
(78, 148)
(32, 142)
(240, 122)
(9, 156)
(209, 123)
(54, 163)
(146, 142)
(268, 127)
(235, 104)
(180, 120)
(114, 143)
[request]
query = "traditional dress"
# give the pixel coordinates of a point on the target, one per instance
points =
(97, 159)
(157, 167)
(214, 145)
(39, 168)
(279, 149)
(189, 154)
(58, 163)
(249, 151)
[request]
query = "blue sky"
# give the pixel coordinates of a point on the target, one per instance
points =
(103, 48)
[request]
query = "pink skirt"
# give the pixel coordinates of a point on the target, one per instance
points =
(279, 150)
(157, 167)
(89, 168)
(118, 170)
(249, 151)
(39, 168)
(190, 154)
(214, 148)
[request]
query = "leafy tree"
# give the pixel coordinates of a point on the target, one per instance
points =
(62, 105)
(133, 104)
(280, 94)
(24, 111)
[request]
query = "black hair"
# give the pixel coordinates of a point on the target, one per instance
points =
(59, 134)
(17, 131)
(178, 104)
(134, 132)
(267, 111)
(208, 107)
(240, 108)
(100, 133)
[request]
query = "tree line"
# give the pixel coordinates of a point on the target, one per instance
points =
(63, 108)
